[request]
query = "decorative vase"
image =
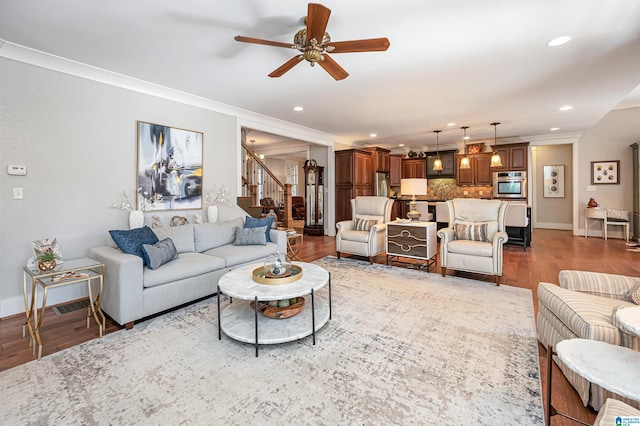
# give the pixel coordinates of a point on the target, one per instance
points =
(592, 203)
(136, 219)
(46, 265)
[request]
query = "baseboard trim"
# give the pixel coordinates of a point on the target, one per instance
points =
(15, 305)
(559, 226)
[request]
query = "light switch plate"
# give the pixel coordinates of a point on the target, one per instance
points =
(591, 188)
(17, 170)
(18, 194)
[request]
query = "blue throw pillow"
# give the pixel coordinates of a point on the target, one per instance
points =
(252, 222)
(130, 241)
(159, 253)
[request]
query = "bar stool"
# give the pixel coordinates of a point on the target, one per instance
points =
(618, 217)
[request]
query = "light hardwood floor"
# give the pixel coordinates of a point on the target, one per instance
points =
(551, 252)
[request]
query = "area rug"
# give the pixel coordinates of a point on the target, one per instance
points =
(403, 347)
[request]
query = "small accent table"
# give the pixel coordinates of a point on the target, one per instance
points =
(597, 214)
(614, 368)
(294, 243)
(416, 240)
(243, 323)
(70, 272)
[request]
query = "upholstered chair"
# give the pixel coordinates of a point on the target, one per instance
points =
(364, 235)
(474, 239)
(297, 207)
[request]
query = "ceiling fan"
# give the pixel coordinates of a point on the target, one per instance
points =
(314, 43)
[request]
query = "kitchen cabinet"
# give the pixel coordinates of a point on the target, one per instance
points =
(448, 165)
(353, 178)
(414, 168)
(514, 157)
(379, 159)
(479, 173)
(395, 169)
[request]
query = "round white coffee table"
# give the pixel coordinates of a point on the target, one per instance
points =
(241, 322)
(629, 319)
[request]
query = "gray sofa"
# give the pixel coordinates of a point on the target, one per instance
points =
(205, 253)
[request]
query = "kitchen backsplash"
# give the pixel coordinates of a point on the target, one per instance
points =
(447, 189)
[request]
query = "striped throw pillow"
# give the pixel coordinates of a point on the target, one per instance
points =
(364, 225)
(634, 295)
(476, 232)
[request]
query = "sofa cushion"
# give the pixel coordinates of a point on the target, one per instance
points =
(251, 236)
(215, 234)
(471, 231)
(237, 255)
(471, 248)
(586, 315)
(358, 236)
(364, 224)
(187, 265)
(156, 255)
(131, 240)
(182, 237)
(252, 222)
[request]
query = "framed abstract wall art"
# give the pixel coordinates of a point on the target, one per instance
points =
(553, 181)
(169, 167)
(605, 172)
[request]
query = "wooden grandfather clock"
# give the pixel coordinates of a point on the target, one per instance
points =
(314, 198)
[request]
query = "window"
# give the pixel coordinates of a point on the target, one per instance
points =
(291, 176)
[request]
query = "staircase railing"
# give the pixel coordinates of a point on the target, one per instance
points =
(259, 182)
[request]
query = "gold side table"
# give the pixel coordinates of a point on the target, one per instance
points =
(70, 272)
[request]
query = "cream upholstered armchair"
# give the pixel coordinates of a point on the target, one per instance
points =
(364, 235)
(474, 239)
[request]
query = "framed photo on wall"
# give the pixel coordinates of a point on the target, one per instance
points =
(169, 167)
(553, 181)
(605, 172)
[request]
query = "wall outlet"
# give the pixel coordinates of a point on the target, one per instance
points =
(16, 170)
(465, 193)
(480, 192)
(591, 188)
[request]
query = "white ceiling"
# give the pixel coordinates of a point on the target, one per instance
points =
(471, 62)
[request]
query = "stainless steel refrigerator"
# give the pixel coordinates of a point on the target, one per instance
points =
(382, 184)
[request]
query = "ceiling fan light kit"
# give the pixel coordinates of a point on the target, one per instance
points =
(312, 51)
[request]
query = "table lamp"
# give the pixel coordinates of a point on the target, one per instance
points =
(414, 187)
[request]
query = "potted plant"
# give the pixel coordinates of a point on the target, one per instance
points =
(47, 261)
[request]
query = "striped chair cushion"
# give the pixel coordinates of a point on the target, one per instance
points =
(473, 232)
(611, 410)
(363, 224)
(599, 284)
(588, 316)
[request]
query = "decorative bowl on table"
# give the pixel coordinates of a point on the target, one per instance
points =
(275, 311)
(262, 275)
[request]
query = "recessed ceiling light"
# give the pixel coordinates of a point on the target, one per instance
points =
(400, 144)
(553, 129)
(451, 124)
(373, 135)
(298, 108)
(559, 41)
(566, 108)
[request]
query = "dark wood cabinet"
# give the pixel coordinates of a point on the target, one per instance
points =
(479, 173)
(353, 178)
(397, 210)
(514, 157)
(448, 164)
(379, 159)
(395, 169)
(414, 168)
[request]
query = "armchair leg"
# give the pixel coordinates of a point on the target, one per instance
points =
(338, 255)
(497, 280)
(443, 270)
(370, 260)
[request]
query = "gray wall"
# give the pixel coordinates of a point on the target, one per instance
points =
(609, 139)
(78, 140)
(554, 213)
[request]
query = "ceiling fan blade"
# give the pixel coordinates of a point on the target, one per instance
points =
(244, 39)
(333, 68)
(286, 66)
(317, 19)
(366, 45)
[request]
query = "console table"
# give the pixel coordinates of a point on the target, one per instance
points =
(415, 240)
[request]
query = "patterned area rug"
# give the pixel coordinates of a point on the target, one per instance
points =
(403, 347)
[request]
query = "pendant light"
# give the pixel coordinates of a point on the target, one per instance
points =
(464, 162)
(496, 160)
(437, 163)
